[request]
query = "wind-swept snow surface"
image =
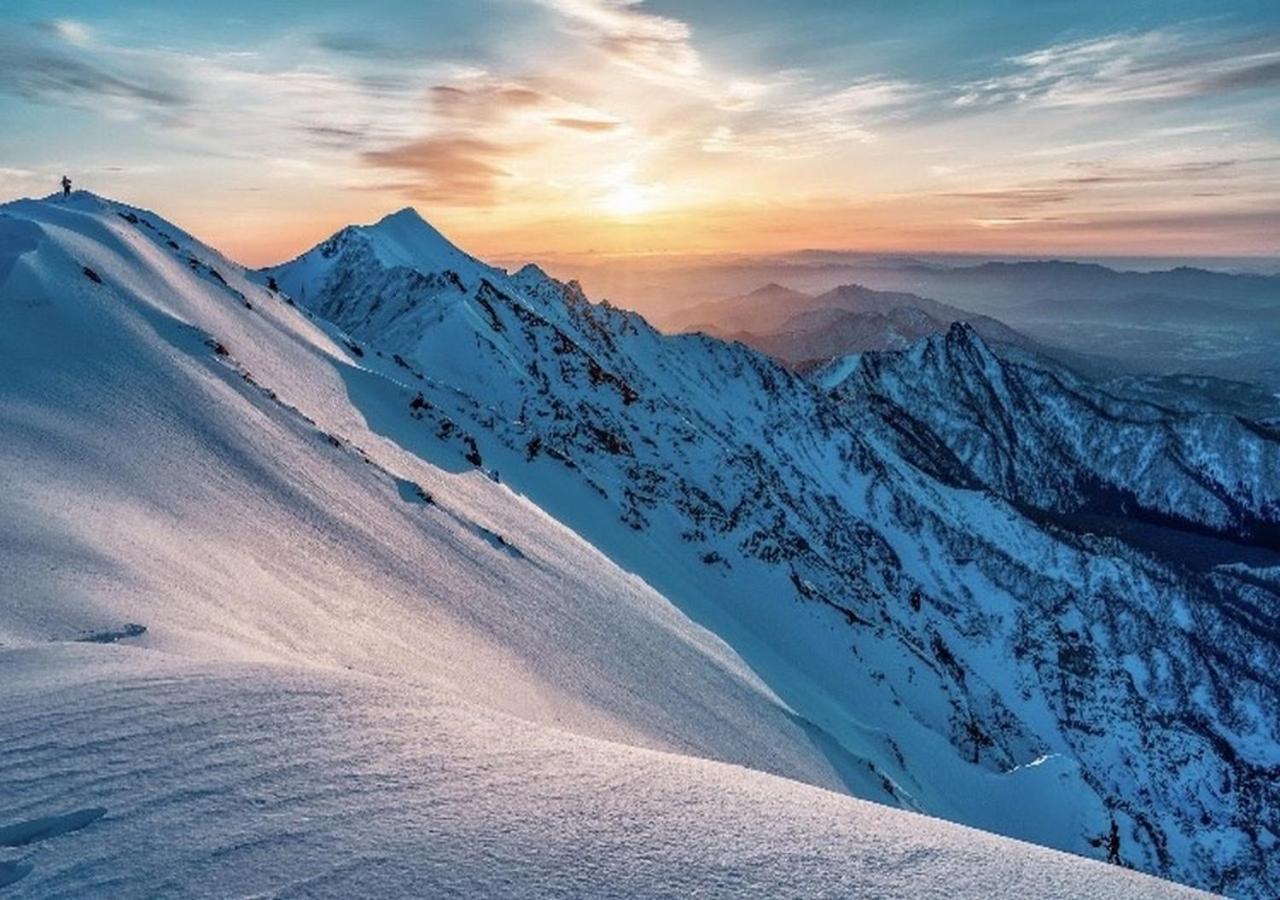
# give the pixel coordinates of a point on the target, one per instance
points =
(245, 780)
(250, 646)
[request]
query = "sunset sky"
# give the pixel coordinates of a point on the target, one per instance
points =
(545, 127)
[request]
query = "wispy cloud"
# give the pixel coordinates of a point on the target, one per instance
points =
(1085, 189)
(67, 29)
(1143, 67)
(46, 64)
(462, 156)
(520, 111)
(1091, 173)
(652, 45)
(233, 103)
(485, 100)
(367, 46)
(1016, 197)
(804, 121)
(476, 129)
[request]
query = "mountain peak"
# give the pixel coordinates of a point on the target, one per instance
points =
(403, 216)
(78, 200)
(962, 331)
(773, 289)
(531, 271)
(963, 336)
(406, 220)
(405, 239)
(852, 289)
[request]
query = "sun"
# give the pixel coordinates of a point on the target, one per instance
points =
(626, 200)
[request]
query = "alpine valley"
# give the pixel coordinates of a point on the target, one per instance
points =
(387, 571)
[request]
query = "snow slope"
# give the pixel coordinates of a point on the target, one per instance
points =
(225, 780)
(955, 653)
(250, 645)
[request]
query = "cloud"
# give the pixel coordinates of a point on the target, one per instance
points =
(592, 126)
(44, 71)
(782, 115)
(69, 30)
(1095, 173)
(1143, 67)
(251, 107)
(804, 122)
(485, 101)
(1207, 222)
(367, 46)
(1102, 186)
(653, 45)
(454, 169)
(333, 135)
(480, 131)
(1249, 77)
(515, 103)
(1017, 197)
(240, 104)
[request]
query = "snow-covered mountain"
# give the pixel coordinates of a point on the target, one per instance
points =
(1041, 436)
(957, 652)
(490, 590)
(251, 645)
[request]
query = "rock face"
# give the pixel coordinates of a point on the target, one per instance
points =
(905, 558)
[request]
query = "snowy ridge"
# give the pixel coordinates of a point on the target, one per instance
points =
(937, 638)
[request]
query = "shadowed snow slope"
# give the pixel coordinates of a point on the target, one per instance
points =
(249, 645)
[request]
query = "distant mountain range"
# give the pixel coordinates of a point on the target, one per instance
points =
(1174, 322)
(663, 288)
(805, 331)
(1005, 285)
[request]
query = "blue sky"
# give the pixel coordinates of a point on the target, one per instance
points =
(574, 126)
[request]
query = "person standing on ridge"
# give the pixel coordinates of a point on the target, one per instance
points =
(66, 186)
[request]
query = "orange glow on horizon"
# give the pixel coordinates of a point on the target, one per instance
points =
(625, 224)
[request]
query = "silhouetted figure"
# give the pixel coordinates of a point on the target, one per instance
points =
(66, 186)
(1113, 844)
